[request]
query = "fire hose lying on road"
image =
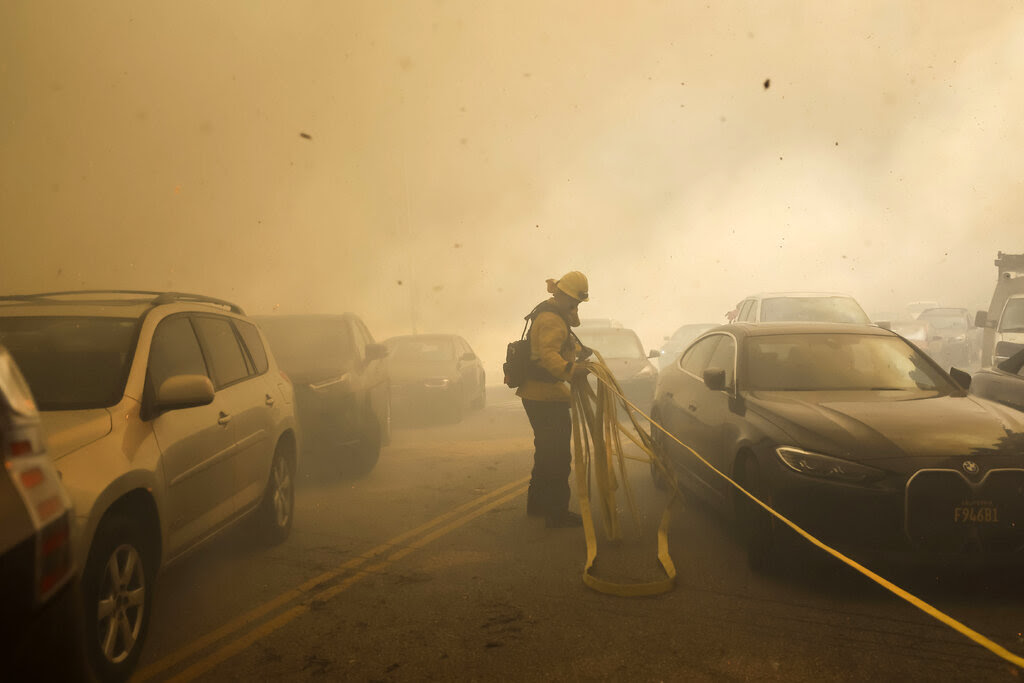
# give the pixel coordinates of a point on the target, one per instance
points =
(598, 452)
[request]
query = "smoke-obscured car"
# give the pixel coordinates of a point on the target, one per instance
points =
(851, 433)
(624, 353)
(956, 340)
(920, 334)
(40, 625)
(169, 422)
(1003, 383)
(435, 373)
(800, 307)
(342, 393)
(679, 340)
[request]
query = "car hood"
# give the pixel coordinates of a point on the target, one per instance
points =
(411, 371)
(69, 430)
(883, 428)
(627, 368)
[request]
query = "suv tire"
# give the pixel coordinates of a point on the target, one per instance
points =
(117, 583)
(277, 509)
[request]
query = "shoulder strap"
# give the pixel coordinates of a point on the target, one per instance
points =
(547, 307)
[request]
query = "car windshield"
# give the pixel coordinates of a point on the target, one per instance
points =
(830, 309)
(946, 321)
(838, 362)
(72, 363)
(611, 342)
(1012, 319)
(422, 349)
(303, 346)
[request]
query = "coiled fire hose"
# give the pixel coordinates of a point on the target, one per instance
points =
(597, 448)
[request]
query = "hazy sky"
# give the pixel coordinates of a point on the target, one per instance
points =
(459, 153)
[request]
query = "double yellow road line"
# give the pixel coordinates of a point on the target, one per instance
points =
(254, 625)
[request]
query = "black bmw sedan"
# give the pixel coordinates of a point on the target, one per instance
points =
(850, 432)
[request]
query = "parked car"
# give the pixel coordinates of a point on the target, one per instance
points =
(679, 340)
(848, 431)
(341, 385)
(958, 341)
(800, 307)
(431, 372)
(920, 334)
(1007, 329)
(1003, 383)
(40, 625)
(624, 353)
(168, 421)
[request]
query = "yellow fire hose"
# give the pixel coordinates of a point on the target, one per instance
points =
(595, 420)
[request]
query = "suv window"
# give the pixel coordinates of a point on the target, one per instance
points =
(72, 362)
(696, 359)
(174, 351)
(745, 310)
(251, 337)
(220, 346)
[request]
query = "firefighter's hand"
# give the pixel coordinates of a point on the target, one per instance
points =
(579, 371)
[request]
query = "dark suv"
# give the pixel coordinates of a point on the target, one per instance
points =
(343, 402)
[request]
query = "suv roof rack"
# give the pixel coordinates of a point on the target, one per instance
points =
(156, 298)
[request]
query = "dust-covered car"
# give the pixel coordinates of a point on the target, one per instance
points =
(40, 629)
(624, 353)
(168, 421)
(341, 385)
(829, 307)
(435, 373)
(1003, 383)
(953, 335)
(851, 433)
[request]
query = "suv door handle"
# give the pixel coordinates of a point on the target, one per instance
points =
(223, 419)
(270, 400)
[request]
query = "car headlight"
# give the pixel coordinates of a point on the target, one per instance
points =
(827, 467)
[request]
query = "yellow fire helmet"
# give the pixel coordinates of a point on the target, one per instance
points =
(573, 283)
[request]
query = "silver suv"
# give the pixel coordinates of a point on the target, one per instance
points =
(169, 421)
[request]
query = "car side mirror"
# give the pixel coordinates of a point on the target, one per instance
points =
(961, 377)
(376, 351)
(469, 355)
(714, 379)
(655, 353)
(184, 391)
(981, 319)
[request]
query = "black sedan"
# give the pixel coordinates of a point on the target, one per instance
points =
(850, 432)
(435, 372)
(1003, 383)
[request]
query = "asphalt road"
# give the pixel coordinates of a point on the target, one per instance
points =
(429, 569)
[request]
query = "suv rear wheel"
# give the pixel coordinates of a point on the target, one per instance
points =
(117, 591)
(278, 507)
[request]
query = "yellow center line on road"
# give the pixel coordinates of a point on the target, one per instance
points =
(239, 645)
(245, 620)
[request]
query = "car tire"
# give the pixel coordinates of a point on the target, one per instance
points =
(756, 525)
(366, 452)
(277, 509)
(117, 592)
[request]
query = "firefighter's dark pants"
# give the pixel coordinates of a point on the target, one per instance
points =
(552, 433)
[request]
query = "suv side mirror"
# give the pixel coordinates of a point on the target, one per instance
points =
(184, 391)
(655, 353)
(714, 379)
(469, 355)
(981, 319)
(376, 351)
(961, 377)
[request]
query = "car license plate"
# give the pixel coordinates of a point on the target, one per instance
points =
(976, 512)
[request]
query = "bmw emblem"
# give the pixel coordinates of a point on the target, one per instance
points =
(970, 467)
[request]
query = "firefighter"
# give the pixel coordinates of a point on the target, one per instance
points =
(554, 362)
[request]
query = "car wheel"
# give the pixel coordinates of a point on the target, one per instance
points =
(755, 524)
(367, 451)
(277, 510)
(117, 591)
